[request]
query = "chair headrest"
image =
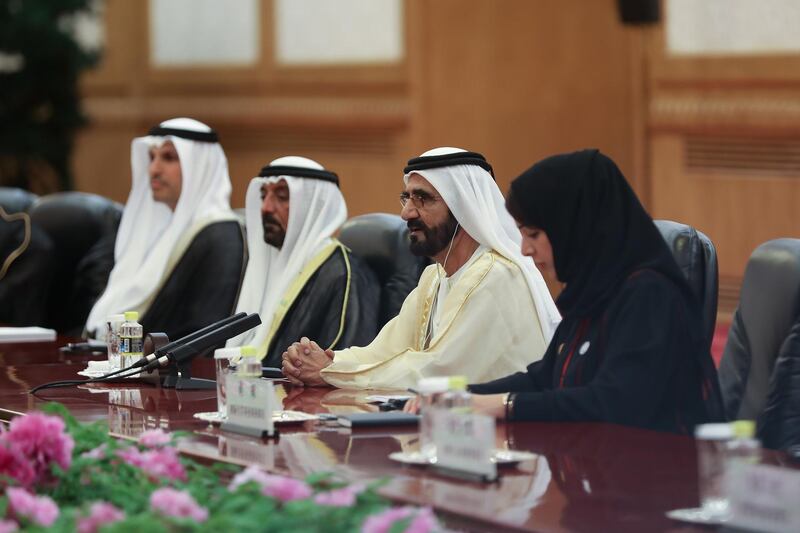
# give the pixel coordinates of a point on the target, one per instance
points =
(76, 220)
(687, 248)
(381, 240)
(770, 295)
(769, 303)
(14, 200)
(697, 258)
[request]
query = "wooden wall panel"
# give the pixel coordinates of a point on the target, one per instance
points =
(517, 80)
(369, 162)
(737, 211)
(740, 182)
(520, 80)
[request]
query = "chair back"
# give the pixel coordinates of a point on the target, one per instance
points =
(83, 228)
(381, 241)
(697, 258)
(769, 303)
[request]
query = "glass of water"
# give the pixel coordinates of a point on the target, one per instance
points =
(712, 461)
(222, 362)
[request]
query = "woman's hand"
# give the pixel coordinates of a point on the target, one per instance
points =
(489, 404)
(485, 404)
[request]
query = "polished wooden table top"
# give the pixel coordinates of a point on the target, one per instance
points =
(586, 477)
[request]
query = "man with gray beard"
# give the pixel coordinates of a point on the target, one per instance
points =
(481, 310)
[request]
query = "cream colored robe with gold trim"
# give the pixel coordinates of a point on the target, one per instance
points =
(488, 329)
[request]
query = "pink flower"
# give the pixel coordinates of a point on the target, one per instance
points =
(286, 489)
(95, 453)
(132, 456)
(281, 488)
(8, 526)
(251, 473)
(424, 521)
(15, 466)
(156, 463)
(178, 504)
(100, 514)
(41, 439)
(40, 510)
(343, 497)
(154, 438)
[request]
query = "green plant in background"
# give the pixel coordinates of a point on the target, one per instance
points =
(61, 476)
(44, 47)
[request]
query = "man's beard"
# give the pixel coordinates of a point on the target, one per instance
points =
(436, 237)
(274, 234)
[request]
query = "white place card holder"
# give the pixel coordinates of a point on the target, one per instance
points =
(464, 444)
(251, 402)
(764, 498)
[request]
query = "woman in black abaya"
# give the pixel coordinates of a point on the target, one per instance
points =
(630, 348)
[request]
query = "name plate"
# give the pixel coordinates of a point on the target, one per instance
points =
(764, 498)
(464, 444)
(250, 403)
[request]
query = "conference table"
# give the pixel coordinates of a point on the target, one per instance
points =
(584, 477)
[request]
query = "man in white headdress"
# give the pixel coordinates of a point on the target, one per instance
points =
(299, 278)
(179, 252)
(481, 310)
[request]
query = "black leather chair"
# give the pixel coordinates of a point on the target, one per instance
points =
(769, 304)
(696, 256)
(14, 200)
(779, 424)
(381, 240)
(83, 228)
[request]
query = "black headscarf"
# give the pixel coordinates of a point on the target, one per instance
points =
(600, 235)
(599, 231)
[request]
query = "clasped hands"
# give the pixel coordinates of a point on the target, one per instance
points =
(302, 363)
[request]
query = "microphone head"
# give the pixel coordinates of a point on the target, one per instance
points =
(217, 336)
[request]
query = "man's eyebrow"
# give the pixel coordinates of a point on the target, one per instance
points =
(420, 191)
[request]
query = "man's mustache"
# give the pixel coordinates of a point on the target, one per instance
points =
(269, 219)
(416, 224)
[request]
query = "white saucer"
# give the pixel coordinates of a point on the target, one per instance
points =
(696, 515)
(278, 417)
(212, 417)
(500, 457)
(411, 458)
(507, 457)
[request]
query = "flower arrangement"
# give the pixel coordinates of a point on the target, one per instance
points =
(60, 475)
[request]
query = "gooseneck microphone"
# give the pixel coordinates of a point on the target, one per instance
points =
(186, 339)
(179, 351)
(187, 350)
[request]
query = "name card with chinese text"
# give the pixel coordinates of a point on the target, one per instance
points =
(250, 403)
(764, 498)
(464, 444)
